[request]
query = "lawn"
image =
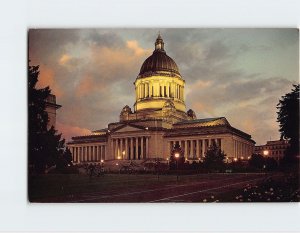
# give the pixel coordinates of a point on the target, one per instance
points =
(51, 185)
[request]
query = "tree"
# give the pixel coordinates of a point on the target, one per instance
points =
(288, 118)
(257, 161)
(214, 157)
(45, 146)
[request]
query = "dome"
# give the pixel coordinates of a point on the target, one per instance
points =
(159, 60)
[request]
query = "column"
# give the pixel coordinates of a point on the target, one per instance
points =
(74, 155)
(111, 148)
(90, 153)
(79, 156)
(192, 149)
(83, 154)
(163, 90)
(146, 90)
(121, 148)
(136, 92)
(147, 148)
(185, 149)
(131, 148)
(197, 149)
(87, 153)
(142, 147)
(126, 148)
(167, 87)
(150, 89)
(136, 148)
(203, 147)
(101, 152)
(95, 153)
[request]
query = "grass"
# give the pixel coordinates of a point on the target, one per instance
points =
(43, 187)
(50, 185)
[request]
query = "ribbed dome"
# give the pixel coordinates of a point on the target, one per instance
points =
(159, 60)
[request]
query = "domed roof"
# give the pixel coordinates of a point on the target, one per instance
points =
(159, 60)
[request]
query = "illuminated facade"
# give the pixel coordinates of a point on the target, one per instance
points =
(158, 120)
(274, 149)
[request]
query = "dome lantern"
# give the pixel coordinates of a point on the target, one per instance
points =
(159, 44)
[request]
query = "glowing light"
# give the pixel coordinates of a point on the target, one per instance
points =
(146, 128)
(249, 157)
(242, 157)
(235, 159)
(266, 152)
(177, 155)
(117, 164)
(123, 152)
(102, 160)
(167, 159)
(119, 157)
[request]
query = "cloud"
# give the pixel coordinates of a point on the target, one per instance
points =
(64, 59)
(47, 78)
(236, 73)
(69, 131)
(138, 51)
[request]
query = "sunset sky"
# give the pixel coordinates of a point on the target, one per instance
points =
(236, 73)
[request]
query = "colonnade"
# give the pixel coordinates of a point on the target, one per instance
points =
(194, 148)
(88, 153)
(130, 148)
(158, 89)
(242, 149)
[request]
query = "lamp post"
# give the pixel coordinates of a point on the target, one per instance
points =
(102, 165)
(177, 157)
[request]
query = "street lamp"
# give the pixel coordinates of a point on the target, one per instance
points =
(177, 157)
(266, 152)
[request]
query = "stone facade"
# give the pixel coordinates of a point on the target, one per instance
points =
(158, 121)
(274, 149)
(51, 108)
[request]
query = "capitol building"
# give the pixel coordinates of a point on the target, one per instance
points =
(159, 120)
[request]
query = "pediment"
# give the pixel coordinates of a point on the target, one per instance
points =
(128, 128)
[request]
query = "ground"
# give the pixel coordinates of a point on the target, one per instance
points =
(144, 188)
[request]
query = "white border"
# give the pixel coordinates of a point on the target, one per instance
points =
(17, 215)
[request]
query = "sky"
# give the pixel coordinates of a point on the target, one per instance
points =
(237, 73)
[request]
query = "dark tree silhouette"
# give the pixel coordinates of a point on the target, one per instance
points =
(257, 161)
(214, 158)
(288, 118)
(45, 146)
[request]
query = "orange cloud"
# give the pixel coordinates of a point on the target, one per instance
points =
(46, 78)
(69, 131)
(64, 59)
(138, 51)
